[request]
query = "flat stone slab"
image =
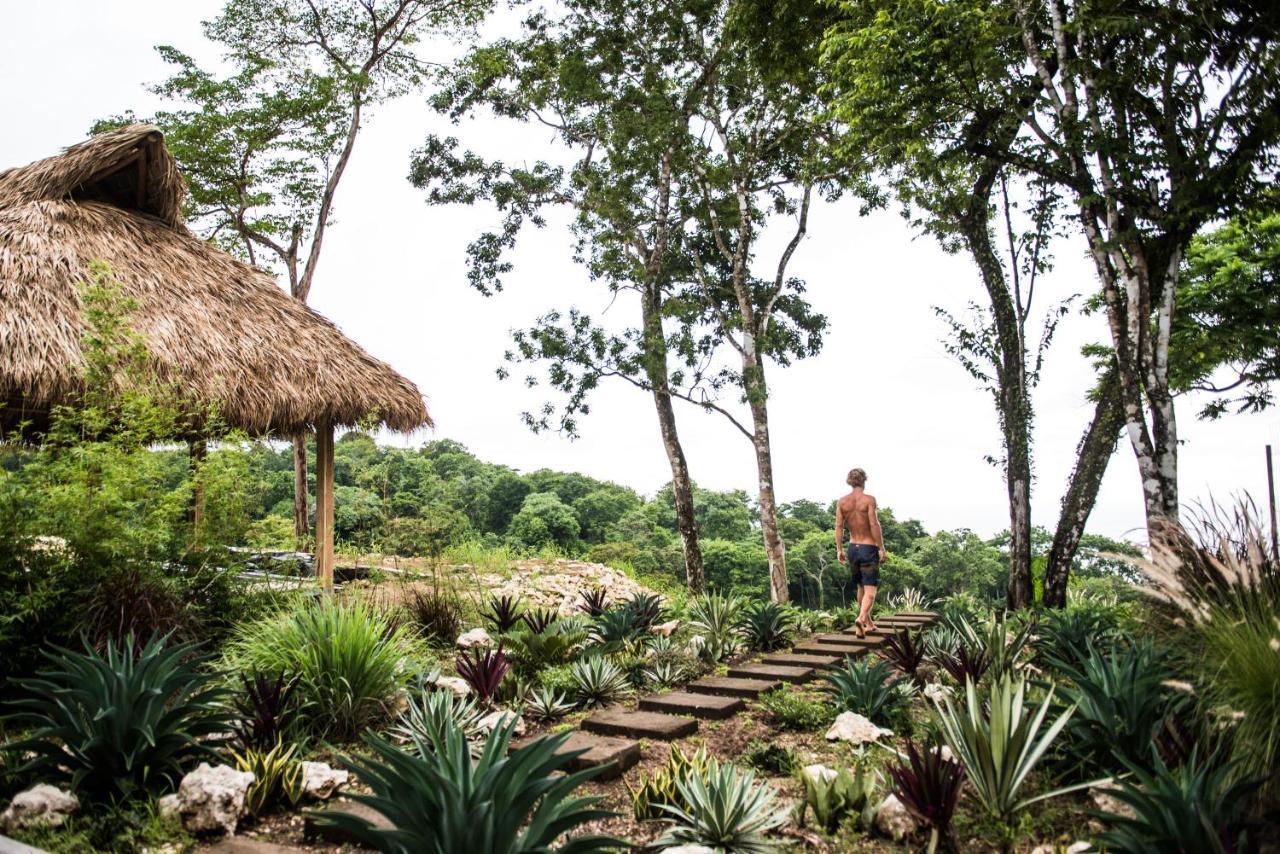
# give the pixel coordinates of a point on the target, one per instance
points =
(793, 659)
(246, 845)
(729, 686)
(612, 755)
(779, 672)
(848, 638)
(709, 706)
(839, 650)
(312, 827)
(13, 846)
(640, 724)
(922, 615)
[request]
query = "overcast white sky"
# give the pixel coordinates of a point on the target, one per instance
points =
(882, 394)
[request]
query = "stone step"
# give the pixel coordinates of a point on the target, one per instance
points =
(639, 724)
(780, 672)
(707, 706)
(793, 659)
(730, 686)
(613, 755)
(840, 650)
(923, 615)
(315, 826)
(237, 845)
(848, 639)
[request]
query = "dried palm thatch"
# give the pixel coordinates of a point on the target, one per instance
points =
(219, 330)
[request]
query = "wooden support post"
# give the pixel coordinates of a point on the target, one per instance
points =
(324, 504)
(1271, 494)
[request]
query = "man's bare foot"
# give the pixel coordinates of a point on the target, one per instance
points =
(859, 629)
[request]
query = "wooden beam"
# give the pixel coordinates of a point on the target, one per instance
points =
(324, 504)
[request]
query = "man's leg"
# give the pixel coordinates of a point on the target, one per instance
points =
(868, 599)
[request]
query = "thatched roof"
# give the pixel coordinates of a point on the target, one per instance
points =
(223, 331)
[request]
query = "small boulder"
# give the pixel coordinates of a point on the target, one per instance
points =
(936, 692)
(893, 820)
(665, 630)
(475, 638)
(854, 728)
(40, 805)
(1108, 803)
(320, 780)
(819, 773)
(457, 686)
(501, 717)
(211, 798)
(689, 849)
(1073, 848)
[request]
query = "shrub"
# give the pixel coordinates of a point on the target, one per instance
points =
(503, 613)
(929, 787)
(833, 797)
(1121, 705)
(483, 670)
(277, 777)
(727, 809)
(120, 724)
(438, 800)
(795, 711)
(436, 615)
(531, 652)
(1000, 743)
(429, 716)
(654, 793)
(716, 620)
(266, 710)
(766, 626)
(350, 660)
(1069, 635)
(138, 601)
(863, 686)
(558, 678)
(770, 758)
(598, 681)
(1198, 807)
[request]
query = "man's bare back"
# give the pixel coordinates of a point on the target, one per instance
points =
(858, 511)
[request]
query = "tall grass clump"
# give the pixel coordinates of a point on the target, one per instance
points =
(350, 660)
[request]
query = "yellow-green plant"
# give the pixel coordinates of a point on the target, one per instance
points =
(833, 797)
(277, 777)
(654, 792)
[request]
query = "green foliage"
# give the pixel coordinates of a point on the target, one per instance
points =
(726, 810)
(435, 613)
(351, 660)
(1000, 742)
(598, 681)
(531, 652)
(1201, 806)
(1121, 704)
(654, 793)
(544, 520)
(267, 710)
(715, 619)
(439, 801)
(864, 686)
(122, 724)
(431, 532)
(432, 714)
(277, 777)
(834, 797)
(770, 758)
(766, 626)
(546, 704)
(792, 710)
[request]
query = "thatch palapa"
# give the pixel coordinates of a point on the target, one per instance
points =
(220, 330)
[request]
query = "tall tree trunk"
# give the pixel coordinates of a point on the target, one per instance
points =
(1092, 458)
(301, 513)
(757, 397)
(655, 366)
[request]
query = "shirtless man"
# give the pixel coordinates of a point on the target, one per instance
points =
(857, 512)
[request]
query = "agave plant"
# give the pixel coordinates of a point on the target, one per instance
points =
(965, 664)
(645, 608)
(653, 793)
(434, 713)
(594, 601)
(929, 787)
(716, 619)
(1000, 743)
(905, 652)
(766, 626)
(939, 641)
(664, 674)
(483, 670)
(503, 613)
(864, 687)
(540, 619)
(833, 796)
(547, 704)
(120, 723)
(725, 809)
(616, 629)
(599, 681)
(266, 710)
(1069, 635)
(910, 599)
(1199, 807)
(277, 777)
(437, 799)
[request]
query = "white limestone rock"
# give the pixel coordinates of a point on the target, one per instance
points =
(320, 780)
(501, 717)
(893, 820)
(689, 849)
(40, 805)
(856, 729)
(475, 638)
(819, 773)
(211, 798)
(665, 630)
(457, 686)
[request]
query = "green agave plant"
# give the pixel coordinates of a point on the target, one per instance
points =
(832, 798)
(547, 704)
(1001, 745)
(599, 681)
(435, 712)
(653, 793)
(119, 724)
(441, 802)
(716, 618)
(725, 809)
(863, 686)
(766, 626)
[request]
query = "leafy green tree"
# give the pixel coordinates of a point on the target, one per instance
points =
(357, 514)
(429, 534)
(265, 147)
(506, 494)
(955, 562)
(545, 520)
(599, 511)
